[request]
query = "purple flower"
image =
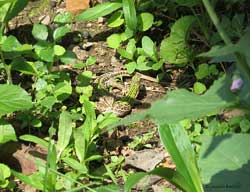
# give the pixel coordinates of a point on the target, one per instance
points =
(236, 85)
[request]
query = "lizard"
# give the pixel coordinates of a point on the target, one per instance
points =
(122, 106)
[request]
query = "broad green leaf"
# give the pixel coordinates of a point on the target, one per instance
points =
(131, 66)
(13, 98)
(99, 10)
(40, 31)
(60, 32)
(177, 143)
(116, 19)
(145, 21)
(114, 40)
(75, 165)
(64, 131)
(149, 48)
(69, 57)
(219, 50)
(10, 44)
(224, 161)
(7, 132)
(46, 54)
(174, 49)
(59, 50)
(35, 139)
(132, 180)
(130, 14)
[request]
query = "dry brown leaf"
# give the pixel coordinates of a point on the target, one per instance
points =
(77, 6)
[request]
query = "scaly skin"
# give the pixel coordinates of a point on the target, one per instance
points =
(122, 106)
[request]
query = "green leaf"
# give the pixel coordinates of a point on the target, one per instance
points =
(35, 139)
(172, 176)
(174, 49)
(62, 90)
(199, 88)
(177, 143)
(4, 174)
(224, 161)
(203, 71)
(10, 44)
(13, 98)
(7, 132)
(99, 10)
(75, 165)
(14, 9)
(114, 40)
(63, 18)
(34, 180)
(69, 57)
(145, 21)
(131, 66)
(60, 32)
(59, 50)
(64, 131)
(40, 31)
(219, 50)
(116, 19)
(132, 180)
(50, 176)
(149, 48)
(130, 14)
(20, 64)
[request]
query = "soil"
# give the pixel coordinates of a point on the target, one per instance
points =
(94, 44)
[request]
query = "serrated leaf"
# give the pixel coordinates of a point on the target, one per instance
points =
(13, 98)
(7, 132)
(99, 10)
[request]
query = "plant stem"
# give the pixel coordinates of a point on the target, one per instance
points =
(7, 69)
(241, 61)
